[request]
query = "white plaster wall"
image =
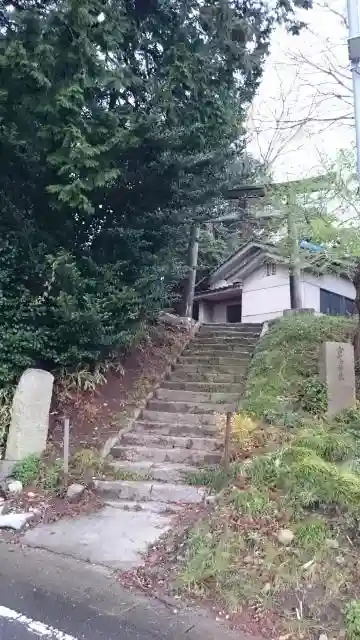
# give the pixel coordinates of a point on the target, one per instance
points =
(205, 312)
(333, 283)
(265, 297)
(311, 296)
(219, 312)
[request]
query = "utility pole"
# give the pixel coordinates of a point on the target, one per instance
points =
(354, 56)
(193, 259)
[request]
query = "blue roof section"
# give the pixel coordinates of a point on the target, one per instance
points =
(310, 246)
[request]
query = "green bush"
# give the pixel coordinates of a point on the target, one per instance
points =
(253, 502)
(27, 470)
(352, 620)
(312, 396)
(331, 445)
(33, 470)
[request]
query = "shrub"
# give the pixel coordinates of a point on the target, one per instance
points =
(33, 470)
(27, 470)
(330, 445)
(312, 534)
(352, 620)
(243, 427)
(263, 470)
(312, 396)
(253, 502)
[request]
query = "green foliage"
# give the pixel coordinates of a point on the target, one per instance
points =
(27, 470)
(263, 470)
(352, 620)
(116, 133)
(208, 567)
(349, 419)
(312, 396)
(285, 360)
(332, 445)
(252, 503)
(212, 477)
(312, 534)
(36, 471)
(306, 479)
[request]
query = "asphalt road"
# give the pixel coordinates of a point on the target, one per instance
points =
(30, 614)
(48, 596)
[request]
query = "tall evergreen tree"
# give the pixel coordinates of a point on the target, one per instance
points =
(117, 120)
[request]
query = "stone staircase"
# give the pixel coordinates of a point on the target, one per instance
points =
(177, 432)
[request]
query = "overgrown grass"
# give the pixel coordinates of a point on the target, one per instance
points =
(38, 472)
(286, 358)
(47, 473)
(212, 477)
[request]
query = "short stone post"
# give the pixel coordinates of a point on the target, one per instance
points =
(337, 372)
(30, 415)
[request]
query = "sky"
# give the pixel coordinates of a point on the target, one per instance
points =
(303, 113)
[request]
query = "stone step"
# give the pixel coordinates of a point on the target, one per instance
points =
(161, 508)
(246, 340)
(215, 361)
(236, 367)
(194, 397)
(196, 419)
(182, 375)
(160, 454)
(162, 472)
(217, 353)
(160, 441)
(232, 326)
(155, 491)
(234, 345)
(192, 407)
(174, 429)
(202, 386)
(218, 331)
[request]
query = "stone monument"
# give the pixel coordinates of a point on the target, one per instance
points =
(337, 371)
(30, 415)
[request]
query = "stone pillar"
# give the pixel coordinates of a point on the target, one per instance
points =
(30, 415)
(337, 371)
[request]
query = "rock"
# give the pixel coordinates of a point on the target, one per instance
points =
(14, 520)
(332, 543)
(285, 536)
(323, 636)
(15, 486)
(29, 425)
(267, 587)
(75, 492)
(5, 508)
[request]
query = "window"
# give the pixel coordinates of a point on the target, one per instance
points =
(332, 304)
(233, 313)
(270, 269)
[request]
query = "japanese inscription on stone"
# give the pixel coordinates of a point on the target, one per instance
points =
(337, 371)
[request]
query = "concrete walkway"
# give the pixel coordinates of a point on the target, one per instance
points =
(176, 434)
